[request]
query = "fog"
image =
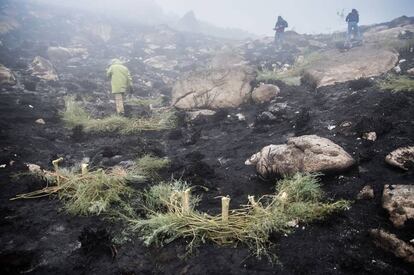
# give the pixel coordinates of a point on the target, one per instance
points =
(258, 17)
(305, 16)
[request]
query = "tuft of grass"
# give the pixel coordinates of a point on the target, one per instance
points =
(74, 115)
(160, 197)
(293, 75)
(398, 84)
(91, 193)
(149, 165)
(296, 199)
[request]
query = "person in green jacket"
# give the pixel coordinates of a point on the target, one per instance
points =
(121, 82)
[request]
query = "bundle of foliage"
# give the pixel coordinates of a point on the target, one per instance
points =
(297, 200)
(149, 166)
(74, 115)
(90, 193)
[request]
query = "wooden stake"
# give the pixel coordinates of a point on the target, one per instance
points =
(225, 203)
(84, 168)
(186, 201)
(55, 164)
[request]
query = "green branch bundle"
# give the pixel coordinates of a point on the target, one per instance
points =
(297, 200)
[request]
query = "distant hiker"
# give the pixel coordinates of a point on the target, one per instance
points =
(121, 82)
(353, 28)
(280, 27)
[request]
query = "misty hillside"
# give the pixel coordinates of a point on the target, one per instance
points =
(143, 143)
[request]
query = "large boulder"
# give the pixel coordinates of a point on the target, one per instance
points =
(226, 83)
(398, 200)
(43, 69)
(161, 62)
(301, 154)
(333, 66)
(63, 54)
(265, 93)
(6, 76)
(390, 243)
(402, 158)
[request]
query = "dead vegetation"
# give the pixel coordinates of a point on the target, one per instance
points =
(74, 115)
(171, 215)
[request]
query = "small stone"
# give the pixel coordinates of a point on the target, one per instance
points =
(33, 168)
(371, 136)
(411, 71)
(367, 193)
(240, 117)
(40, 121)
(331, 127)
(397, 69)
(346, 124)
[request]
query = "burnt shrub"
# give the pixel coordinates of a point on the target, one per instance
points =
(359, 84)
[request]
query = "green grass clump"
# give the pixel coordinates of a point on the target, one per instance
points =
(293, 75)
(298, 199)
(398, 84)
(91, 193)
(149, 166)
(75, 115)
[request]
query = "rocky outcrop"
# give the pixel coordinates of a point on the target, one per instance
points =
(398, 200)
(8, 24)
(63, 54)
(265, 93)
(402, 158)
(100, 31)
(161, 62)
(390, 243)
(43, 69)
(338, 67)
(6, 76)
(226, 83)
(301, 154)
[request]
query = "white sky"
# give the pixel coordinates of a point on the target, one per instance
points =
(310, 16)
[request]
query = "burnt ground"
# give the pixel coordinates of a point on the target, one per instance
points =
(37, 237)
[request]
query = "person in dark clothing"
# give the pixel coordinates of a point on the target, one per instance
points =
(280, 27)
(353, 28)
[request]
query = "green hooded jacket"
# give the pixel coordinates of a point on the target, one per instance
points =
(121, 80)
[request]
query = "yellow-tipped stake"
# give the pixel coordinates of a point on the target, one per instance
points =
(55, 164)
(186, 201)
(225, 203)
(84, 168)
